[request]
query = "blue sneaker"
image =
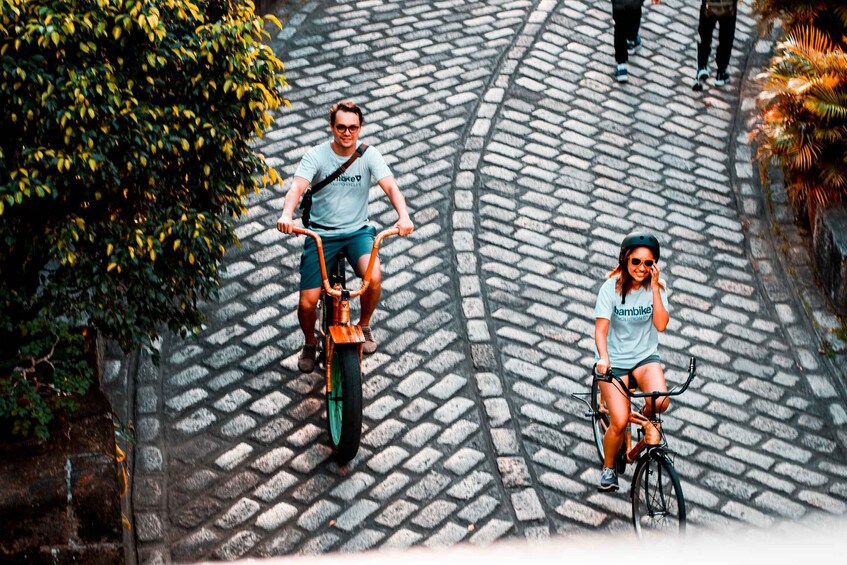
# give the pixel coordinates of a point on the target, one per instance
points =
(632, 46)
(608, 480)
(621, 73)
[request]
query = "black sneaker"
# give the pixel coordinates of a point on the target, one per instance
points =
(632, 46)
(702, 75)
(721, 78)
(621, 73)
(608, 480)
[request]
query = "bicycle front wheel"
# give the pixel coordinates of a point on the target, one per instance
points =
(344, 403)
(599, 419)
(657, 502)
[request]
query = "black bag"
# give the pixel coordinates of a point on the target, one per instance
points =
(720, 8)
(306, 203)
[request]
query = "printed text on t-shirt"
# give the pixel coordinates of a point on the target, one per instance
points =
(637, 313)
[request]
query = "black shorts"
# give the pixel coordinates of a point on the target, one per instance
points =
(621, 373)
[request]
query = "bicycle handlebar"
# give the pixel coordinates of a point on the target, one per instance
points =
(675, 391)
(366, 278)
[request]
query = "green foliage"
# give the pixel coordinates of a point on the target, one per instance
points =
(804, 118)
(124, 159)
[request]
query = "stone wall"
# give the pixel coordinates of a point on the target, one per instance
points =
(830, 244)
(59, 500)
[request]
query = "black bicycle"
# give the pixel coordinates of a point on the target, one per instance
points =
(658, 504)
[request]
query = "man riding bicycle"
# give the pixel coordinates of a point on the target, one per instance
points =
(631, 309)
(339, 214)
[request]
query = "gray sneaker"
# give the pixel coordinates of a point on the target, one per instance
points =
(370, 343)
(608, 480)
(306, 362)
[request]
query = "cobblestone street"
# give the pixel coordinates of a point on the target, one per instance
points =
(524, 164)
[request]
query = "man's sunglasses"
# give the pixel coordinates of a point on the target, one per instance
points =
(340, 128)
(636, 261)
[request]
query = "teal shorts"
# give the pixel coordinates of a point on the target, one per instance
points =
(354, 244)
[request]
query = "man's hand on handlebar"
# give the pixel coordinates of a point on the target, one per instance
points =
(285, 224)
(405, 226)
(603, 365)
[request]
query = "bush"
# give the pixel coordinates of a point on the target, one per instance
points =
(825, 15)
(124, 159)
(804, 119)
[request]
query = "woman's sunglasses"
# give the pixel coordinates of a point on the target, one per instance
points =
(636, 261)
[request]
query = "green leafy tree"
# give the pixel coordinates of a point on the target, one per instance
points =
(804, 119)
(125, 158)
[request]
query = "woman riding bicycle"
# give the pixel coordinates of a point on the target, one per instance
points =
(631, 310)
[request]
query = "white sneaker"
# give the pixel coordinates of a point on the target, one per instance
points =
(702, 75)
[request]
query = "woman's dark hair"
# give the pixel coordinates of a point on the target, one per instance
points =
(345, 106)
(631, 242)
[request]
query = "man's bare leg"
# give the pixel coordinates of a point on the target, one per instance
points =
(307, 313)
(370, 298)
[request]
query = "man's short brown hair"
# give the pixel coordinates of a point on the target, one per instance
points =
(346, 106)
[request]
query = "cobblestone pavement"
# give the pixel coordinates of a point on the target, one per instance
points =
(524, 165)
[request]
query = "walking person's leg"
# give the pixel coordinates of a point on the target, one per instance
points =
(705, 30)
(726, 36)
(633, 41)
(620, 15)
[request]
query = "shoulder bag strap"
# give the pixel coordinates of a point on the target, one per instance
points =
(360, 150)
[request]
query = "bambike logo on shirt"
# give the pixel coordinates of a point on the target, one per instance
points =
(636, 313)
(355, 179)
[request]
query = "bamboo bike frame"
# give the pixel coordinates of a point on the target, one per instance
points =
(341, 331)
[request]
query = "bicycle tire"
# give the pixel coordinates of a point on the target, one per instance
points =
(599, 419)
(658, 505)
(344, 403)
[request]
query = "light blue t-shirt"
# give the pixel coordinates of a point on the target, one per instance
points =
(343, 203)
(632, 336)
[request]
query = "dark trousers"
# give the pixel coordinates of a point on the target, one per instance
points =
(726, 35)
(627, 23)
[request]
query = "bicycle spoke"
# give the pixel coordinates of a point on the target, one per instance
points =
(658, 505)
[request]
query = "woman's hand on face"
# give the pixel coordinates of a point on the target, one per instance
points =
(654, 277)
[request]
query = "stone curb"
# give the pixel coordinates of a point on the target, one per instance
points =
(784, 264)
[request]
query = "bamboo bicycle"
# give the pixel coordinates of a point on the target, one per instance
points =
(658, 504)
(340, 348)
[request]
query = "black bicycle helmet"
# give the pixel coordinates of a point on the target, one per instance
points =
(639, 239)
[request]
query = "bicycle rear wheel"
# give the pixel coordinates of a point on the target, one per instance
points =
(599, 419)
(344, 403)
(658, 506)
